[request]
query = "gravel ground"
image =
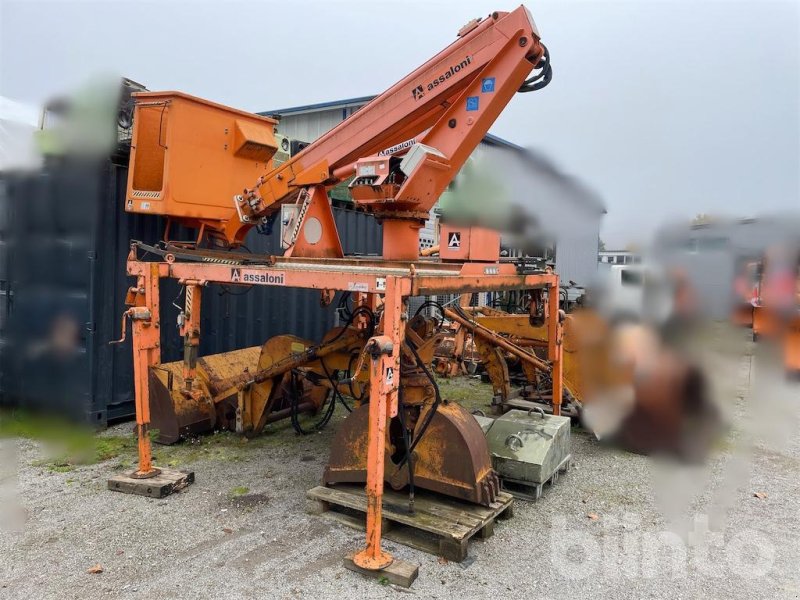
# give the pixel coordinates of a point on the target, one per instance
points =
(617, 525)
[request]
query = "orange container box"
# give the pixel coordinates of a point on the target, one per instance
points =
(189, 156)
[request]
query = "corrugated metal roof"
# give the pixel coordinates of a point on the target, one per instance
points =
(293, 110)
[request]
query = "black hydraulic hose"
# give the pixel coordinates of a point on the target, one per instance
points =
(432, 411)
(432, 303)
(359, 310)
(351, 377)
(548, 77)
(542, 67)
(342, 306)
(297, 392)
(408, 458)
(460, 312)
(542, 78)
(370, 330)
(295, 413)
(334, 386)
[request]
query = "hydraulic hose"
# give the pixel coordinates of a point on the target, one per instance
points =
(542, 78)
(437, 401)
(296, 387)
(408, 458)
(335, 385)
(432, 303)
(295, 412)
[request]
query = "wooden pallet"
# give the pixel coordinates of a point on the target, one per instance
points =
(161, 485)
(439, 525)
(525, 490)
(399, 572)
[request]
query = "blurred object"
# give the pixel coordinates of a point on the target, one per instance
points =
(18, 123)
(620, 378)
(711, 254)
(618, 257)
(637, 292)
(94, 122)
(464, 200)
(745, 289)
(667, 410)
(776, 306)
(792, 349)
(746, 270)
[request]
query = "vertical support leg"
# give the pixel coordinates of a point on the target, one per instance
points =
(146, 353)
(555, 346)
(384, 379)
(457, 366)
(191, 334)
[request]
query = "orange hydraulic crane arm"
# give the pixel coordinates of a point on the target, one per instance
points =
(190, 158)
(437, 115)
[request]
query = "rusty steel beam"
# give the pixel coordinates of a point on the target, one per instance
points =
(239, 382)
(491, 336)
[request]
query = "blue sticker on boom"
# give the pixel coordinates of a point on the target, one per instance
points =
(487, 85)
(472, 103)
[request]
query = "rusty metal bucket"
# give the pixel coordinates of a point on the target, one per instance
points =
(451, 458)
(175, 415)
(172, 415)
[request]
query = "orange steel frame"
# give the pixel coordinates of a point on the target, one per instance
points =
(394, 281)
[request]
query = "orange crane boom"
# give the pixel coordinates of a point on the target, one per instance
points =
(434, 117)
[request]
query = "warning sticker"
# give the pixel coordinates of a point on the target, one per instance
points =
(454, 240)
(390, 376)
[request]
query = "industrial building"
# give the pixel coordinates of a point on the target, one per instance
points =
(571, 213)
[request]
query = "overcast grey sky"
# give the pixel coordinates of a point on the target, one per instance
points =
(665, 108)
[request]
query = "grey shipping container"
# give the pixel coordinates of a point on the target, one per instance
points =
(64, 239)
